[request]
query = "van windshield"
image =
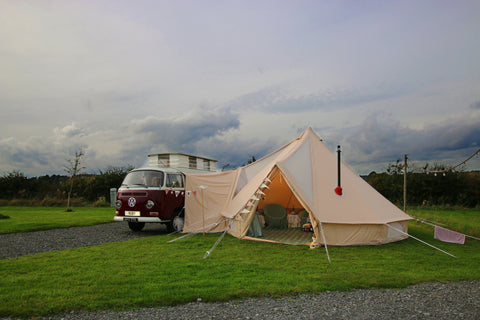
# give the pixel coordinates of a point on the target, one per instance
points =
(143, 178)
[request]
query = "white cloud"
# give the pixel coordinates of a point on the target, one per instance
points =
(69, 131)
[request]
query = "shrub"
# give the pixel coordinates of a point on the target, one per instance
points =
(52, 202)
(101, 203)
(2, 216)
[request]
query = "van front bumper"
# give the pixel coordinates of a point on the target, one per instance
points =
(140, 219)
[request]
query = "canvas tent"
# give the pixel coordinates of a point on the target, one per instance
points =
(300, 176)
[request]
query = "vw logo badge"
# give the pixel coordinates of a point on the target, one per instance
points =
(132, 202)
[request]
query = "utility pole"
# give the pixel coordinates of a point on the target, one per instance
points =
(405, 184)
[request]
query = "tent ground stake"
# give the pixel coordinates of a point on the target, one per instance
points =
(215, 245)
(182, 237)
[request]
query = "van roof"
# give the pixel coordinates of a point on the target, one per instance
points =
(181, 154)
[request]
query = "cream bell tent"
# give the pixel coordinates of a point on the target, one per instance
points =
(299, 177)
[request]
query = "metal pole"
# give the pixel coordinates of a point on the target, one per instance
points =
(405, 184)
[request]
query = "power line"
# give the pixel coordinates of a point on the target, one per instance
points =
(476, 153)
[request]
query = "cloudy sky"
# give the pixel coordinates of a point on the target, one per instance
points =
(234, 79)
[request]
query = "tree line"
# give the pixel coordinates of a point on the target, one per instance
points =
(442, 188)
(54, 189)
(449, 189)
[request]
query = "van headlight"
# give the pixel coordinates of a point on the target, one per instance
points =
(149, 204)
(118, 204)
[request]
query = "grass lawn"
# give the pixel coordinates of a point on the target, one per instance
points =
(26, 219)
(149, 272)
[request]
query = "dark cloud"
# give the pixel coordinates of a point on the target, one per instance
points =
(210, 133)
(207, 132)
(381, 138)
(25, 155)
(29, 158)
(475, 105)
(183, 133)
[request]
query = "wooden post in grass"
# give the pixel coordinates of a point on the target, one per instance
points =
(405, 184)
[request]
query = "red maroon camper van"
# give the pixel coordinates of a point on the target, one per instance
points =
(156, 194)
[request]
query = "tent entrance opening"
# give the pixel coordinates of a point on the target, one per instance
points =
(280, 217)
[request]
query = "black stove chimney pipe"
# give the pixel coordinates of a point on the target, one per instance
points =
(338, 189)
(338, 165)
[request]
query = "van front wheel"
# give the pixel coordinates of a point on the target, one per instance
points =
(178, 220)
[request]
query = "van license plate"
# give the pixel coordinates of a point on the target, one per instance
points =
(132, 213)
(130, 219)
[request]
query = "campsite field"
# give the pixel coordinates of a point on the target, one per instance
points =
(151, 272)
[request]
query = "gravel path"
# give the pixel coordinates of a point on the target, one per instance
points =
(454, 300)
(20, 244)
(458, 300)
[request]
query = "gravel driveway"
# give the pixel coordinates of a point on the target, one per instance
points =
(453, 300)
(20, 244)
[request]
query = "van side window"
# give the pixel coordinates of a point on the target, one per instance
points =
(174, 180)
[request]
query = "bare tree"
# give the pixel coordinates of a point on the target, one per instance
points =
(73, 168)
